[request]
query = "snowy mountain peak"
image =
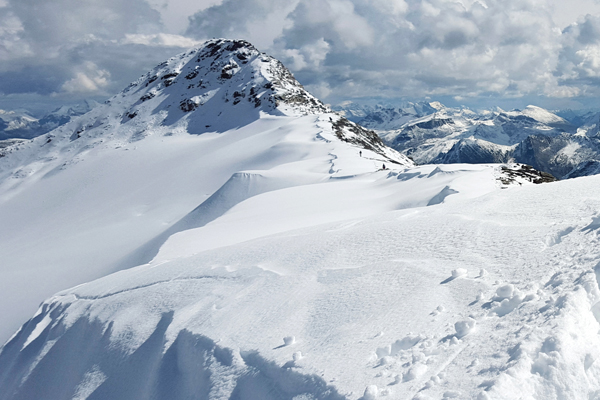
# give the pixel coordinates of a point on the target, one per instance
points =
(214, 81)
(220, 86)
(437, 105)
(543, 115)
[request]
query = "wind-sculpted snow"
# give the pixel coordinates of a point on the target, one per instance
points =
(192, 366)
(479, 296)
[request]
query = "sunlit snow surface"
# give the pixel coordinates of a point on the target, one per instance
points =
(486, 292)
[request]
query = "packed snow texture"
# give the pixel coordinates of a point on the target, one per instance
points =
(279, 260)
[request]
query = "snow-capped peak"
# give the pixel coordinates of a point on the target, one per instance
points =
(217, 87)
(209, 84)
(437, 105)
(542, 115)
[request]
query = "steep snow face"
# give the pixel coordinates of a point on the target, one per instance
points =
(105, 190)
(436, 285)
(544, 116)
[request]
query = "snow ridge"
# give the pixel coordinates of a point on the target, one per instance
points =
(107, 188)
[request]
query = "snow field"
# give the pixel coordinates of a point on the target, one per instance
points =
(371, 302)
(133, 194)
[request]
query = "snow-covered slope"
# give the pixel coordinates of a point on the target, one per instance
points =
(546, 117)
(485, 293)
(103, 191)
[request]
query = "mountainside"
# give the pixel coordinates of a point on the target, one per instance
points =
(103, 191)
(436, 285)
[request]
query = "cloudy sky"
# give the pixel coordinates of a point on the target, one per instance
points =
(478, 53)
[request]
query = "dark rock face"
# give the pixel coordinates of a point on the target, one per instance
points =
(350, 132)
(432, 123)
(512, 173)
(473, 152)
(586, 168)
(187, 105)
(541, 151)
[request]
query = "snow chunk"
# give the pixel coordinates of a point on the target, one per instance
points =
(415, 372)
(505, 292)
(371, 392)
(398, 346)
(463, 328)
(544, 365)
(456, 273)
(508, 305)
(289, 340)
(297, 356)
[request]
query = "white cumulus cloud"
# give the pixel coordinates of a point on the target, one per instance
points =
(467, 49)
(89, 79)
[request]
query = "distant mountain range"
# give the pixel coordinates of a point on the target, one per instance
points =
(20, 124)
(565, 144)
